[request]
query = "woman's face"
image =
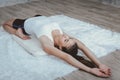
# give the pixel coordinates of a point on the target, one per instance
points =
(66, 41)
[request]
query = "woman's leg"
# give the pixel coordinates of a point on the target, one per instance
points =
(8, 26)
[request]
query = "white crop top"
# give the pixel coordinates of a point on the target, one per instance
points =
(33, 26)
(47, 30)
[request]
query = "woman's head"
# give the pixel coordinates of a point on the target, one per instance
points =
(67, 44)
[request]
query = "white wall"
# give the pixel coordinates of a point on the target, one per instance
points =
(12, 2)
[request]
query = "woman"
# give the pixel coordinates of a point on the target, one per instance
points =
(57, 43)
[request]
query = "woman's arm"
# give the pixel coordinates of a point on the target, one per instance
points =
(50, 49)
(92, 57)
(88, 52)
(66, 57)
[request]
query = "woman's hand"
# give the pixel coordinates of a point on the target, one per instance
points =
(103, 68)
(97, 72)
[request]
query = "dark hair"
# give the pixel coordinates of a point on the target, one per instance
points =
(73, 50)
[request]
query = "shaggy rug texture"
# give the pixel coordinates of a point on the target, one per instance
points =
(17, 64)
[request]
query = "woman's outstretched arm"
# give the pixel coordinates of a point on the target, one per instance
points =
(92, 57)
(50, 49)
(87, 52)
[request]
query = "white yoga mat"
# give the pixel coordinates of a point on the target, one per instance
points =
(18, 64)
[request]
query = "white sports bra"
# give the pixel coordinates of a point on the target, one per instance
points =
(39, 26)
(47, 30)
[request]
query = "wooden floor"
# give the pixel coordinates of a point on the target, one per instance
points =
(86, 10)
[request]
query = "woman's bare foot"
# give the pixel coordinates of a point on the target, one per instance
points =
(20, 34)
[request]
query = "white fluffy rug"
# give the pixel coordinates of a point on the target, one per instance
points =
(17, 64)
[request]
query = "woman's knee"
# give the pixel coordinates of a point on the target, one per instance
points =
(8, 22)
